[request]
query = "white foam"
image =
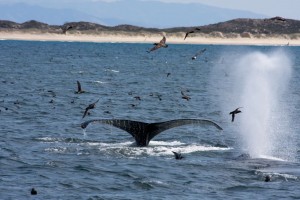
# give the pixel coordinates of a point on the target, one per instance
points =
(112, 70)
(100, 82)
(155, 148)
(270, 158)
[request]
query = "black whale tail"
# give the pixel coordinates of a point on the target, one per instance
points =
(144, 132)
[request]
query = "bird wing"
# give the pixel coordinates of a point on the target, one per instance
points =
(155, 47)
(78, 86)
(232, 119)
(186, 34)
(85, 112)
(95, 102)
(163, 41)
(200, 52)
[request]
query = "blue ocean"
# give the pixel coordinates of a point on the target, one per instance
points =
(43, 146)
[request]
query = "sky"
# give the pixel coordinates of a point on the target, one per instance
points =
(146, 13)
(284, 8)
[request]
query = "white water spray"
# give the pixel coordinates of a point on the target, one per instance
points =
(258, 82)
(263, 79)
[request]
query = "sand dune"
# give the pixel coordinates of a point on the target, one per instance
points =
(147, 37)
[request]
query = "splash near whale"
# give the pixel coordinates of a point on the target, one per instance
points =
(144, 132)
(260, 82)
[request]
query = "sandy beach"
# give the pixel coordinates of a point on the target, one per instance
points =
(122, 37)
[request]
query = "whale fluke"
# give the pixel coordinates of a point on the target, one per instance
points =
(144, 132)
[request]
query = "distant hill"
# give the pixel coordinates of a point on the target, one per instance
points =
(149, 13)
(268, 26)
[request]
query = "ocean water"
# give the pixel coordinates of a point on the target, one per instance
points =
(42, 145)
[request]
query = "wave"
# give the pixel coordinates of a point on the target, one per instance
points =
(126, 148)
(270, 158)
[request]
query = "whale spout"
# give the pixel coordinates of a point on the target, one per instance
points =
(144, 132)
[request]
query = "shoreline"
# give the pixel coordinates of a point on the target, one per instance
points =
(148, 38)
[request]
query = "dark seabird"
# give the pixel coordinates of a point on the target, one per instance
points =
(162, 43)
(138, 98)
(233, 113)
(198, 54)
(79, 90)
(185, 96)
(278, 18)
(91, 106)
(4, 107)
(144, 132)
(168, 74)
(189, 32)
(33, 191)
(65, 29)
(178, 156)
(268, 178)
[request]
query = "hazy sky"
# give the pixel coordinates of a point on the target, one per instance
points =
(284, 8)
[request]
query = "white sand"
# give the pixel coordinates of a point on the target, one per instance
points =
(147, 38)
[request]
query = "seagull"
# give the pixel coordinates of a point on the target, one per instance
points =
(79, 90)
(198, 53)
(193, 31)
(236, 111)
(178, 156)
(185, 96)
(91, 106)
(162, 43)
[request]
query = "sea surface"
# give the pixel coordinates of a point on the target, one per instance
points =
(42, 145)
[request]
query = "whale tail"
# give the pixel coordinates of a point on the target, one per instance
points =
(144, 132)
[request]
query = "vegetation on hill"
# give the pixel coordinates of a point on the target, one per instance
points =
(270, 26)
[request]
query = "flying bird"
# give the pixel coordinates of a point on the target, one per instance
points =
(178, 156)
(278, 18)
(91, 106)
(184, 96)
(162, 43)
(138, 98)
(65, 29)
(233, 113)
(189, 32)
(79, 90)
(198, 54)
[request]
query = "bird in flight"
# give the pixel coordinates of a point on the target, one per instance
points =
(162, 43)
(233, 113)
(65, 29)
(79, 90)
(91, 106)
(189, 32)
(184, 96)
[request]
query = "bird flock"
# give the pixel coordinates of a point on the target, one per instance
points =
(158, 45)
